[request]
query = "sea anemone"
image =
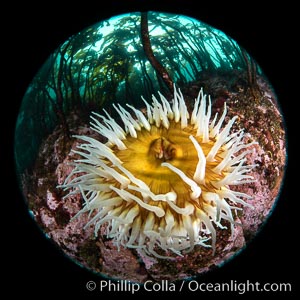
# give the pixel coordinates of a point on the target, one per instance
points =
(162, 180)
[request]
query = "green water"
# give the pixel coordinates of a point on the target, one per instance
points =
(106, 63)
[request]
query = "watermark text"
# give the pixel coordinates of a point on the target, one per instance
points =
(235, 286)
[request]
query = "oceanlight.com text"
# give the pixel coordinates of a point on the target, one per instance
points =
(235, 286)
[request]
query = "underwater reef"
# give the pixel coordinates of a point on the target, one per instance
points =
(54, 214)
(118, 61)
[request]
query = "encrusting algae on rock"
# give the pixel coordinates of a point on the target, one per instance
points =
(161, 181)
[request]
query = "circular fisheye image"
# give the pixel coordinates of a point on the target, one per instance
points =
(150, 145)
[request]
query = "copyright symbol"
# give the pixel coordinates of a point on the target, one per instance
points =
(91, 285)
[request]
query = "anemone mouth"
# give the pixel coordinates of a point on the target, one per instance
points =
(163, 179)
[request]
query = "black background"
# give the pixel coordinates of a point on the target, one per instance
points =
(32, 265)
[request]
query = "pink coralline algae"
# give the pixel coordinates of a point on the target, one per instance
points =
(55, 213)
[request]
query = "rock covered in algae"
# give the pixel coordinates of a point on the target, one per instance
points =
(54, 213)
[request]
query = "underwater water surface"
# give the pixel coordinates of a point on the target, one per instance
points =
(118, 60)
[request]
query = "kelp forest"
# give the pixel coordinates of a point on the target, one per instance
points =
(118, 60)
(69, 178)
